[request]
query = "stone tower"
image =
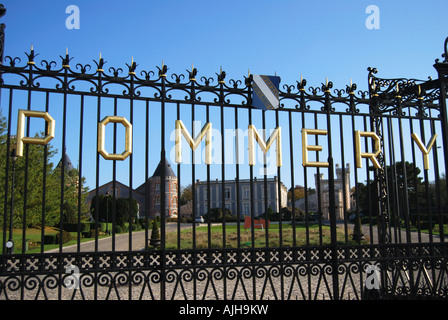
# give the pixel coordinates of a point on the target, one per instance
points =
(170, 191)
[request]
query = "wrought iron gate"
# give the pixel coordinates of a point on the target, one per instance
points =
(307, 252)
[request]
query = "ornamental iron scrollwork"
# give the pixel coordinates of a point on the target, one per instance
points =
(335, 271)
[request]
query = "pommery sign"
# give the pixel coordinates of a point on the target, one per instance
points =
(206, 132)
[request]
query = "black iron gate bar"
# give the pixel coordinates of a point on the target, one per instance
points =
(335, 264)
(327, 98)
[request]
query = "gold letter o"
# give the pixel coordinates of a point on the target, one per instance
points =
(102, 139)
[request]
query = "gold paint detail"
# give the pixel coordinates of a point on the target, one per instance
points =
(306, 148)
(21, 139)
(372, 156)
(205, 131)
(102, 139)
(425, 149)
(253, 134)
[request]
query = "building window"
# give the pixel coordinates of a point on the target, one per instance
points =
(117, 192)
(157, 200)
(246, 192)
(157, 186)
(205, 193)
(228, 206)
(227, 193)
(246, 208)
(262, 191)
(174, 202)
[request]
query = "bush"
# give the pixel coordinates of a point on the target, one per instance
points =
(371, 221)
(286, 213)
(85, 227)
(357, 230)
(136, 227)
(102, 226)
(118, 229)
(142, 222)
(50, 239)
(424, 218)
(425, 225)
(89, 234)
(66, 237)
(215, 214)
(73, 227)
(155, 234)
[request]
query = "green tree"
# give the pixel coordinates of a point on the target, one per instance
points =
(215, 214)
(35, 165)
(286, 213)
(299, 192)
(29, 191)
(367, 193)
(125, 209)
(3, 155)
(186, 195)
(71, 206)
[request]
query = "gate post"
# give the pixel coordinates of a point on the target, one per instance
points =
(442, 71)
(332, 201)
(2, 48)
(162, 77)
(2, 34)
(380, 188)
(380, 174)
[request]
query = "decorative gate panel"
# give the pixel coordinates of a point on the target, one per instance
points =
(378, 157)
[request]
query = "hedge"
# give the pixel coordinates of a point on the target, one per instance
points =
(66, 237)
(73, 227)
(50, 239)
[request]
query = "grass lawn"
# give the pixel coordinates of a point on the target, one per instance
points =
(33, 235)
(245, 236)
(435, 230)
(216, 237)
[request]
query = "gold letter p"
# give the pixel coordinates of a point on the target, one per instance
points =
(21, 139)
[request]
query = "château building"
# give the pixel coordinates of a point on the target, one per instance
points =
(149, 205)
(237, 196)
(320, 201)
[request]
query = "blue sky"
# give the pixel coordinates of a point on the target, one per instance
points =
(317, 39)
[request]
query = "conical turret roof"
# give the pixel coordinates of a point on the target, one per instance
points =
(168, 170)
(68, 166)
